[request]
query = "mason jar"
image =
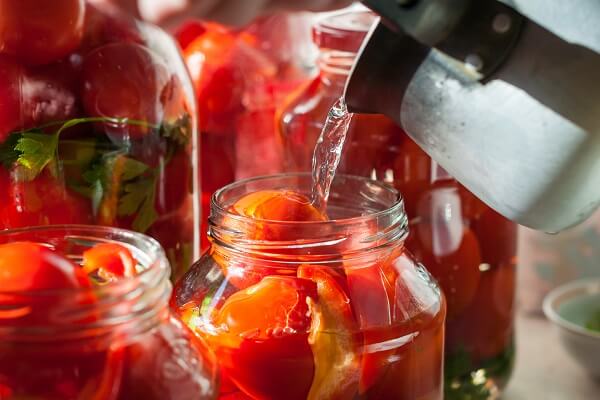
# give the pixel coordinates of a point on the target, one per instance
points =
(327, 309)
(112, 341)
(468, 247)
(97, 124)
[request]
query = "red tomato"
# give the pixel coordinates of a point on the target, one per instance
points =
(108, 25)
(277, 205)
(265, 351)
(49, 94)
(125, 80)
(272, 205)
(218, 81)
(31, 266)
(34, 96)
(457, 272)
(485, 328)
(189, 31)
(110, 261)
(42, 201)
(39, 32)
(11, 79)
(497, 237)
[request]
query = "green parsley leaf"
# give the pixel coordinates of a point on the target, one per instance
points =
(133, 169)
(36, 151)
(138, 199)
(593, 324)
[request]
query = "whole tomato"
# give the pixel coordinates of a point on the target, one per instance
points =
(30, 97)
(39, 32)
(43, 201)
(265, 350)
(125, 80)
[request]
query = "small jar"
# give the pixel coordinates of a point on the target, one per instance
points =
(116, 341)
(332, 309)
(98, 124)
(468, 247)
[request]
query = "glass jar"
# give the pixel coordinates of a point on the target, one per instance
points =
(98, 124)
(115, 341)
(468, 247)
(240, 76)
(331, 309)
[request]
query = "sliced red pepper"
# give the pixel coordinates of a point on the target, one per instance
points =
(110, 261)
(265, 349)
(332, 338)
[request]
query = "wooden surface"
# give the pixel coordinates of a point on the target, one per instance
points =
(544, 370)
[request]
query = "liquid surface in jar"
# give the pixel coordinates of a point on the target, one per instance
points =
(164, 362)
(342, 331)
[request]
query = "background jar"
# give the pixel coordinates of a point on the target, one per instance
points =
(468, 247)
(98, 124)
(116, 341)
(329, 309)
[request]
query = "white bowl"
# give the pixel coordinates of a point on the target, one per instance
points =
(569, 307)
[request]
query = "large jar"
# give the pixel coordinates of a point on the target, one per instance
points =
(63, 340)
(315, 308)
(97, 124)
(467, 247)
(240, 77)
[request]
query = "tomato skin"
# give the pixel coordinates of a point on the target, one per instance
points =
(273, 205)
(218, 81)
(30, 266)
(30, 97)
(124, 80)
(39, 32)
(110, 259)
(107, 25)
(265, 350)
(42, 201)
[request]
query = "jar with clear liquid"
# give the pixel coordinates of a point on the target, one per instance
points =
(469, 248)
(302, 305)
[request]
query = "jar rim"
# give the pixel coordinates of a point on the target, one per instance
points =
(360, 236)
(152, 247)
(397, 206)
(129, 306)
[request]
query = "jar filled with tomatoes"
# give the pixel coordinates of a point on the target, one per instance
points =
(468, 247)
(84, 314)
(240, 77)
(302, 304)
(97, 124)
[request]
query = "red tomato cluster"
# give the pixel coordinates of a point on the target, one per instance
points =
(40, 287)
(308, 332)
(238, 85)
(131, 132)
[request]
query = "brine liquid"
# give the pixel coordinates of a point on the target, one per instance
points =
(328, 152)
